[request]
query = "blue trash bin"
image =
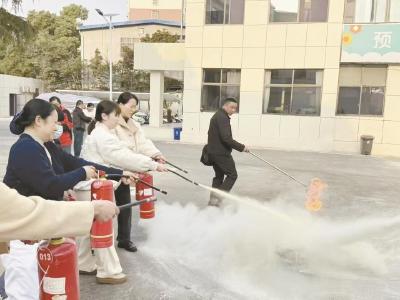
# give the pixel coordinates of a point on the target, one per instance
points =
(177, 133)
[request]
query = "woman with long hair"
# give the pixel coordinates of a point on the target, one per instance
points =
(132, 134)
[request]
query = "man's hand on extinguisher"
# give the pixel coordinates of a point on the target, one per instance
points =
(104, 210)
(91, 172)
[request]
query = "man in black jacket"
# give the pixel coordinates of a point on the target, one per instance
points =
(79, 119)
(220, 145)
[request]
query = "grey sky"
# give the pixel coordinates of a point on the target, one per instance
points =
(115, 6)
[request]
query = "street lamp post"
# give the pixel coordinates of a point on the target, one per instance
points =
(110, 26)
(182, 18)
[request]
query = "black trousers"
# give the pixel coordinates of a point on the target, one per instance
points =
(123, 196)
(2, 287)
(78, 141)
(225, 172)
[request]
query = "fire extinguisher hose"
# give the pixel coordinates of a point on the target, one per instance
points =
(137, 203)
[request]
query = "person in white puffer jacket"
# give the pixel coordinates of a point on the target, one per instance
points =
(103, 145)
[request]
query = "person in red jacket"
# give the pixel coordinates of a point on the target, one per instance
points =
(66, 137)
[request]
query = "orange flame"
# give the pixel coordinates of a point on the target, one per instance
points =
(315, 189)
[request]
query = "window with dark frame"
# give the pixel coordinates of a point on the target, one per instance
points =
(299, 11)
(372, 11)
(361, 90)
(224, 11)
(293, 92)
(219, 84)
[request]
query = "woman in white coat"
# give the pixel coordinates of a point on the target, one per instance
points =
(102, 145)
(131, 133)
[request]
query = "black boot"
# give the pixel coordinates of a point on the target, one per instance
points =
(128, 246)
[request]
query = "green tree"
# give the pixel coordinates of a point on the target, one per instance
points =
(52, 53)
(98, 78)
(124, 72)
(14, 33)
(67, 44)
(160, 36)
(16, 4)
(12, 28)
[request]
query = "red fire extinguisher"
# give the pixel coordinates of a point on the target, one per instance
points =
(102, 232)
(143, 192)
(58, 269)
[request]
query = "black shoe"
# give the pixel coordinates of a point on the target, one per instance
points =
(128, 246)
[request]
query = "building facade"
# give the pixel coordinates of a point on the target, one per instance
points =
(155, 9)
(124, 34)
(15, 92)
(311, 75)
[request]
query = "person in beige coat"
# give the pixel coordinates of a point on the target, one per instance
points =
(34, 218)
(29, 218)
(131, 133)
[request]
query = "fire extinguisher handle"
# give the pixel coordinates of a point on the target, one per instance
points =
(137, 203)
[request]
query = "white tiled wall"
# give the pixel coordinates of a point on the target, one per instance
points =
(212, 58)
(289, 127)
(253, 58)
(270, 126)
(256, 12)
(232, 58)
(252, 80)
(296, 35)
(346, 129)
(254, 36)
(233, 36)
(250, 102)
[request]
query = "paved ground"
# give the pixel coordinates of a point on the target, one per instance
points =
(358, 187)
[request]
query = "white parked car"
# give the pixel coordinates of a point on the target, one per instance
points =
(141, 117)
